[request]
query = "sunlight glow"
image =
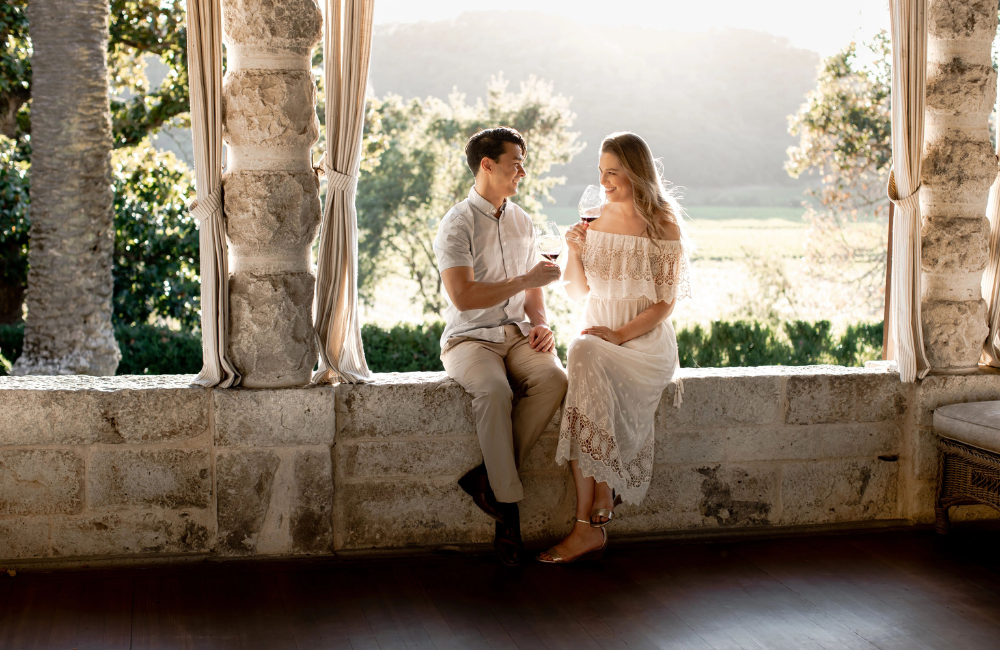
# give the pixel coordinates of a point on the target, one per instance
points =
(822, 26)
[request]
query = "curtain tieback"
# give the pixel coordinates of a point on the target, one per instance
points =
(202, 210)
(338, 180)
(911, 202)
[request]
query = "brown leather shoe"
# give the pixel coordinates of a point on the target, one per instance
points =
(507, 539)
(476, 484)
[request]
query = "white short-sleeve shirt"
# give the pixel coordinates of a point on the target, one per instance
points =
(496, 249)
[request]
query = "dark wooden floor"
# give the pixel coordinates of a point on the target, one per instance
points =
(889, 590)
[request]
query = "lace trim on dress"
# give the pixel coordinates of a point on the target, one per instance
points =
(658, 273)
(600, 446)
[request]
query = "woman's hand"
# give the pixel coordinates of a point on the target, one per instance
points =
(576, 236)
(609, 335)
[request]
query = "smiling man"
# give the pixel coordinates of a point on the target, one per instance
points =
(496, 341)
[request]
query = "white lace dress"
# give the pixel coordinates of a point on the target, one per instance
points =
(614, 390)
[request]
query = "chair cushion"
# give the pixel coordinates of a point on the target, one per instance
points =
(974, 423)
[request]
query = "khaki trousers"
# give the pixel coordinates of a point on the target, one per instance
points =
(507, 431)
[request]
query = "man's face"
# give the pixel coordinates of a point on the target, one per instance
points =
(509, 170)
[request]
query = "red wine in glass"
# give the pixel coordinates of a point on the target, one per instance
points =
(552, 257)
(591, 203)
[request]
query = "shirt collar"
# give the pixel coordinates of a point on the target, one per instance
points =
(481, 204)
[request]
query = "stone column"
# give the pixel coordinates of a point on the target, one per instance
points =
(271, 191)
(958, 168)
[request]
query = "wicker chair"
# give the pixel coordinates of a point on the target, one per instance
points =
(969, 470)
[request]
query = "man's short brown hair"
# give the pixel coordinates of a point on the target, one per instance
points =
(489, 143)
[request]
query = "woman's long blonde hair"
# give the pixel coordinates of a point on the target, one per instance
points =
(654, 203)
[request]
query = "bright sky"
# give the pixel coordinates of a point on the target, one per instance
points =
(823, 26)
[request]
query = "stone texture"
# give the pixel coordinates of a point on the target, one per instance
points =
(938, 390)
(398, 514)
(958, 168)
(245, 480)
(311, 520)
(962, 19)
(270, 108)
(955, 245)
(833, 491)
(132, 533)
(735, 495)
(958, 85)
(384, 458)
(844, 396)
(272, 418)
(24, 537)
(813, 442)
(272, 207)
(673, 502)
(289, 25)
(150, 478)
(268, 213)
(404, 404)
(720, 401)
(542, 456)
(40, 481)
(271, 339)
(953, 332)
(39, 412)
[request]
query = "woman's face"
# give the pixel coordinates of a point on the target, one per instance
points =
(614, 179)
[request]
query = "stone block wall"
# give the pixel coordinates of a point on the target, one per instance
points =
(139, 467)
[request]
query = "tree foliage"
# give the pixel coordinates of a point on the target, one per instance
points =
(141, 28)
(844, 130)
(415, 172)
(15, 70)
(13, 231)
(156, 241)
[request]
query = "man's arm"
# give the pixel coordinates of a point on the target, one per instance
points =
(467, 294)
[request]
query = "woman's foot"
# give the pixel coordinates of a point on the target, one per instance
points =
(604, 499)
(582, 539)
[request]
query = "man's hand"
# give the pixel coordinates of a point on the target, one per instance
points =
(540, 338)
(608, 334)
(542, 274)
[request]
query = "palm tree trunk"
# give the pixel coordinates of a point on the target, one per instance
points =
(68, 327)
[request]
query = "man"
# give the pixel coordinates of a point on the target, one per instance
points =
(495, 327)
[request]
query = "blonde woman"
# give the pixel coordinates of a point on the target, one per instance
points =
(632, 264)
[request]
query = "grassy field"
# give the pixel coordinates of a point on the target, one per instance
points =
(748, 262)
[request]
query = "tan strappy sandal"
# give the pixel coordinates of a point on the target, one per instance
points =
(616, 500)
(595, 554)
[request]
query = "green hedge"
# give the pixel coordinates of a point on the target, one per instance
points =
(743, 343)
(148, 350)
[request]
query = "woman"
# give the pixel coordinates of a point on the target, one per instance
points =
(632, 263)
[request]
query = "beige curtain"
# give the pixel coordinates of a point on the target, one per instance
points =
(991, 279)
(909, 76)
(204, 18)
(347, 44)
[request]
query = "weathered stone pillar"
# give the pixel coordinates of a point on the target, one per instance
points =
(271, 191)
(958, 168)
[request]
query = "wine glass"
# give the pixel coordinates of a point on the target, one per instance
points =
(591, 203)
(550, 243)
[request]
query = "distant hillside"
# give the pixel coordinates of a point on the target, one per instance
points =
(713, 105)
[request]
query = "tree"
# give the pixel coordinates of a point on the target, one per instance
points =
(416, 171)
(844, 130)
(68, 330)
(156, 240)
(138, 29)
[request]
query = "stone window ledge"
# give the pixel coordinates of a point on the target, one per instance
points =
(137, 466)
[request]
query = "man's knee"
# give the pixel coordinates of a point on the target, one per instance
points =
(492, 391)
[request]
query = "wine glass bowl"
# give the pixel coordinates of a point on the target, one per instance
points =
(591, 203)
(550, 242)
